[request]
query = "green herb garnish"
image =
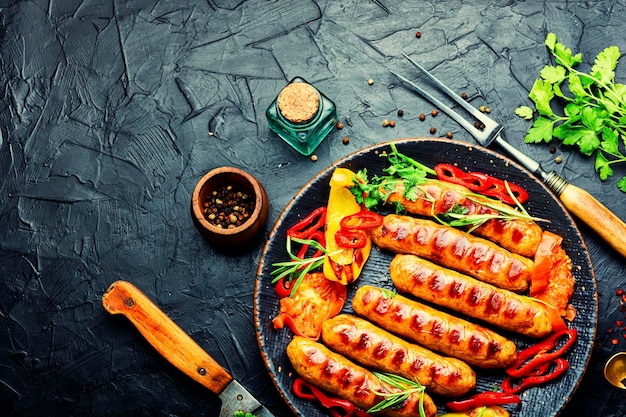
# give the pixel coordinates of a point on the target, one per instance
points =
(406, 386)
(243, 414)
(594, 114)
(402, 169)
(413, 175)
(297, 268)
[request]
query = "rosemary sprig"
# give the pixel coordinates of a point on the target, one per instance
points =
(460, 218)
(406, 386)
(297, 268)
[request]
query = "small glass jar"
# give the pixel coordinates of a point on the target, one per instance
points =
(302, 116)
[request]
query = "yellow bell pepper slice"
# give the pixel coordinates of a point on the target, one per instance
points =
(342, 264)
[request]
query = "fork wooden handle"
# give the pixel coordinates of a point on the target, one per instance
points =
(593, 213)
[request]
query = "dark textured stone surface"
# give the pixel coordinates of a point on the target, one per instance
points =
(112, 110)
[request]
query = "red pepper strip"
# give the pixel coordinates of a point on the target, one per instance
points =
(350, 238)
(483, 399)
(337, 406)
(305, 227)
(508, 385)
(478, 182)
(455, 175)
(499, 191)
(364, 219)
(283, 288)
(319, 237)
(541, 353)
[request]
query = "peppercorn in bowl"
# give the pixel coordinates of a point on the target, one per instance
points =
(229, 206)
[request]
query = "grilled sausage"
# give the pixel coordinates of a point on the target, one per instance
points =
(375, 348)
(433, 329)
(332, 372)
(456, 249)
(434, 198)
(447, 288)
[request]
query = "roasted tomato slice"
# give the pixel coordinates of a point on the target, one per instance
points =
(552, 280)
(316, 299)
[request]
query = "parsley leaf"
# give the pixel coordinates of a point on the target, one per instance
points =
(594, 107)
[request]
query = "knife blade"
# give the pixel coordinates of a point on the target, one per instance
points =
(179, 348)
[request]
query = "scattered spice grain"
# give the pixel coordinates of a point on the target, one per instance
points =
(345, 140)
(464, 96)
(418, 34)
(422, 117)
(313, 158)
(370, 81)
(558, 159)
(385, 123)
(400, 112)
(434, 113)
(339, 125)
(392, 123)
(433, 130)
(449, 135)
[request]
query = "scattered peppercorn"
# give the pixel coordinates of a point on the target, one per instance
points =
(482, 108)
(339, 125)
(464, 96)
(392, 123)
(345, 140)
(552, 149)
(400, 112)
(479, 125)
(433, 130)
(228, 206)
(434, 113)
(418, 34)
(558, 159)
(385, 123)
(313, 158)
(449, 135)
(370, 81)
(422, 117)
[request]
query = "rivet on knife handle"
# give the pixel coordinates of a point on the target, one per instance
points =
(165, 336)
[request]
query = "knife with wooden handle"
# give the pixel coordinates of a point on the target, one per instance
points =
(179, 348)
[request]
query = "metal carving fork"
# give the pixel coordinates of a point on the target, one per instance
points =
(578, 201)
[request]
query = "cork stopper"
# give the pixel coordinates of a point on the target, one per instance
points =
(298, 102)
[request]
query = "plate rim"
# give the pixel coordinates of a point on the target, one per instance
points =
(416, 140)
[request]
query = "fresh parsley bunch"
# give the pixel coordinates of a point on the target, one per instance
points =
(594, 109)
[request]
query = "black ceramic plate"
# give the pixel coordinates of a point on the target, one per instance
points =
(544, 401)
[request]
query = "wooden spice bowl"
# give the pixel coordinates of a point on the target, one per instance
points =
(214, 181)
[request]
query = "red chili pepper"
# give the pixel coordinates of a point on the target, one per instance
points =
(483, 399)
(350, 238)
(364, 219)
(337, 407)
(452, 174)
(481, 183)
(542, 352)
(319, 237)
(307, 226)
(499, 191)
(283, 288)
(512, 385)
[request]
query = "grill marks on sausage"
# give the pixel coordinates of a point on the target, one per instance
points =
(341, 377)
(435, 329)
(375, 348)
(436, 198)
(455, 249)
(464, 294)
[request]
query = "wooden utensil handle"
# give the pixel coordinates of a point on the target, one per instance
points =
(165, 336)
(610, 227)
